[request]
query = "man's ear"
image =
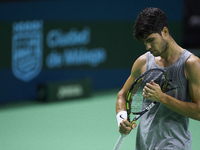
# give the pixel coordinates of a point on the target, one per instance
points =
(165, 32)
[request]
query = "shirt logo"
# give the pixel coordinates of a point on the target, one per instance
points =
(170, 86)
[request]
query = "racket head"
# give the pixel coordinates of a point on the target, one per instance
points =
(135, 103)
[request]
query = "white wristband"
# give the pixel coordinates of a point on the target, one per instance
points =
(121, 116)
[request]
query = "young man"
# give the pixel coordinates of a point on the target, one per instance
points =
(168, 127)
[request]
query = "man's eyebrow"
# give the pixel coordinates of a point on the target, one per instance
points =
(149, 39)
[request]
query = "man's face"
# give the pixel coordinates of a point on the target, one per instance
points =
(156, 44)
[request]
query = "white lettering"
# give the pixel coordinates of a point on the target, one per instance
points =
(69, 91)
(76, 57)
(54, 60)
(57, 38)
(82, 56)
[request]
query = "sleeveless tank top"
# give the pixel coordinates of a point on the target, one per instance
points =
(161, 128)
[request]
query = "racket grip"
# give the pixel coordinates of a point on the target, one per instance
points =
(120, 142)
(132, 123)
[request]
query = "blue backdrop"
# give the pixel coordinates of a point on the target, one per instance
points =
(76, 11)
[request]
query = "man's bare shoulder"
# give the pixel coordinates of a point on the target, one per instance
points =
(141, 61)
(143, 57)
(192, 66)
(193, 61)
(139, 66)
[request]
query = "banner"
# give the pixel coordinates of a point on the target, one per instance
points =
(33, 45)
(35, 52)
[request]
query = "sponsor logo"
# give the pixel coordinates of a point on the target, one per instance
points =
(121, 116)
(66, 91)
(27, 49)
(65, 49)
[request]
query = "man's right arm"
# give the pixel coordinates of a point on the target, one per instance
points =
(138, 68)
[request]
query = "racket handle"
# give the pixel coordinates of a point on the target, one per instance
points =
(120, 142)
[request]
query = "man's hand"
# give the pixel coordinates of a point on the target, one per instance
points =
(152, 91)
(124, 127)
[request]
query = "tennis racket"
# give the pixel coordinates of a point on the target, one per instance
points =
(136, 105)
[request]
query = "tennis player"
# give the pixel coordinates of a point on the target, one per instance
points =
(166, 126)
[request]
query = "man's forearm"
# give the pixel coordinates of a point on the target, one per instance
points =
(187, 109)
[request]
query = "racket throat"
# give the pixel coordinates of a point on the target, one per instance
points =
(135, 119)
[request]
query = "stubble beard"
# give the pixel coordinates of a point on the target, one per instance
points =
(163, 48)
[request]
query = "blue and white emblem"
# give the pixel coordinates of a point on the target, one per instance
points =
(27, 49)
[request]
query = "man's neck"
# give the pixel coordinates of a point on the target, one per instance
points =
(170, 56)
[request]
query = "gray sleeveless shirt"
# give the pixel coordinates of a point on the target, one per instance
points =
(162, 128)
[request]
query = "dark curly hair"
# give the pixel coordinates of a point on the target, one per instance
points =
(150, 20)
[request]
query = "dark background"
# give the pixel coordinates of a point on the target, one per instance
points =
(111, 25)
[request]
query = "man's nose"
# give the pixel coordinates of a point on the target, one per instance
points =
(148, 46)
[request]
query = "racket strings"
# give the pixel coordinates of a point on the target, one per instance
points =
(138, 102)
